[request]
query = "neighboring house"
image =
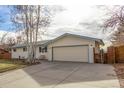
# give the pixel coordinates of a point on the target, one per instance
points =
(6, 47)
(67, 47)
(4, 54)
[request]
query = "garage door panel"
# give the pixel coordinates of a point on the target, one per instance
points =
(76, 53)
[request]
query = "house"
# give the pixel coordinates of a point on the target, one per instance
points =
(67, 47)
(19, 51)
(4, 54)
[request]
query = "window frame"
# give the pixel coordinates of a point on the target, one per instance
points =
(40, 49)
(45, 49)
(14, 49)
(24, 49)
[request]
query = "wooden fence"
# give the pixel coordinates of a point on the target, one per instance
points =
(100, 57)
(115, 54)
(119, 54)
(110, 55)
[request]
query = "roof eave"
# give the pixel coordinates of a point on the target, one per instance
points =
(83, 37)
(100, 42)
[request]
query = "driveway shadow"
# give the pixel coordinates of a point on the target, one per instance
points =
(72, 74)
(61, 74)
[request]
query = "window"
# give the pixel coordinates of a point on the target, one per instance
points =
(45, 49)
(24, 49)
(14, 50)
(40, 49)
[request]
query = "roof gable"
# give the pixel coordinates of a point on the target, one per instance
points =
(79, 36)
(46, 42)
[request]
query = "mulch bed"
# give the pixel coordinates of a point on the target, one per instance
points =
(119, 69)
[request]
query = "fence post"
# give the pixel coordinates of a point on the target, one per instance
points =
(102, 56)
(94, 55)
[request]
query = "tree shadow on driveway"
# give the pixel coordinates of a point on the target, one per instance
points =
(62, 74)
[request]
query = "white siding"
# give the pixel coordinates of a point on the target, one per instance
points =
(64, 41)
(40, 54)
(19, 52)
(49, 54)
(24, 54)
(70, 40)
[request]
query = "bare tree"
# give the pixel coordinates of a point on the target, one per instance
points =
(30, 19)
(116, 22)
(117, 38)
(116, 19)
(3, 37)
(11, 41)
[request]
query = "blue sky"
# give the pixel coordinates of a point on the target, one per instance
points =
(5, 15)
(67, 21)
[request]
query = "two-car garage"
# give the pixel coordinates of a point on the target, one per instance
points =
(73, 48)
(76, 53)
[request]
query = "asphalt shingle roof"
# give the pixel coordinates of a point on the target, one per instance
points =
(45, 42)
(24, 44)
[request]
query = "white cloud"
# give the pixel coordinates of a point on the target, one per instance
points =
(68, 21)
(9, 34)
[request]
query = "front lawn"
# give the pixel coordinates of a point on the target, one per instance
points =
(6, 65)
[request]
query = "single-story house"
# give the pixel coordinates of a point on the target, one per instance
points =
(67, 47)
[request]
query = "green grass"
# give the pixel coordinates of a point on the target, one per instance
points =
(6, 65)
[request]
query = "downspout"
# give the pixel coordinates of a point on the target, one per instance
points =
(52, 50)
(90, 54)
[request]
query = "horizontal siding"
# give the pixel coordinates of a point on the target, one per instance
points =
(69, 40)
(24, 54)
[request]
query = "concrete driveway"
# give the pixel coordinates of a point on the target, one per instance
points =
(61, 74)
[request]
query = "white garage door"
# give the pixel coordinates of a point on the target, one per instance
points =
(73, 53)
